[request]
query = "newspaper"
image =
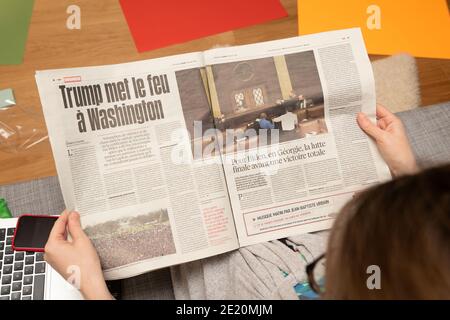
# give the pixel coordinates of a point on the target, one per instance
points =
(180, 158)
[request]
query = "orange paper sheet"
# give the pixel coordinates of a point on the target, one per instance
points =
(419, 27)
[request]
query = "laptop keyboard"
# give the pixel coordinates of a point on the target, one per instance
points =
(22, 274)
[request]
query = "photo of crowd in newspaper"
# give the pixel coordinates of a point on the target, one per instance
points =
(131, 239)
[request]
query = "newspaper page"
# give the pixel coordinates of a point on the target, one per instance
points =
(292, 150)
(124, 161)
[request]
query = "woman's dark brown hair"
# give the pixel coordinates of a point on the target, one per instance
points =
(402, 227)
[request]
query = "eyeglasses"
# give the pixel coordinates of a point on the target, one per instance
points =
(316, 274)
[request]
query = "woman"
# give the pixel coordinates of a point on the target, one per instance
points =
(400, 228)
(391, 242)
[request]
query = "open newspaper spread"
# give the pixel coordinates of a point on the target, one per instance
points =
(180, 158)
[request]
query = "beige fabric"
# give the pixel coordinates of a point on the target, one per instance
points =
(397, 82)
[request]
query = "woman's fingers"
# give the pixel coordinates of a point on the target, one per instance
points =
(59, 228)
(368, 127)
(384, 113)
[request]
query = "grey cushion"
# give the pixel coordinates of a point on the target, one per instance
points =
(156, 285)
(428, 130)
(41, 196)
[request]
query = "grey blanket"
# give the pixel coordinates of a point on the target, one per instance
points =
(269, 270)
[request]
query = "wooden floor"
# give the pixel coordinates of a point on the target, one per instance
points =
(104, 38)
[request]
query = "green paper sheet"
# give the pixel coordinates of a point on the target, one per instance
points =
(14, 21)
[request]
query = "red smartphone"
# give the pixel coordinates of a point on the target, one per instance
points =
(32, 232)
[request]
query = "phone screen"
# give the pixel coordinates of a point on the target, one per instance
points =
(32, 232)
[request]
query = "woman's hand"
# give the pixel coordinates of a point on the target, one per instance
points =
(76, 255)
(392, 142)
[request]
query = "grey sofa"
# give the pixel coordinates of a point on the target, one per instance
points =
(428, 130)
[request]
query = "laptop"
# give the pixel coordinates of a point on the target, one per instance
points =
(25, 275)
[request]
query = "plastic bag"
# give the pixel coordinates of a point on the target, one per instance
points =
(21, 129)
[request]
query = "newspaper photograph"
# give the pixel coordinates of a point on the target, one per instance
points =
(282, 93)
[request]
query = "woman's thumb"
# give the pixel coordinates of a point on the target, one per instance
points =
(74, 226)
